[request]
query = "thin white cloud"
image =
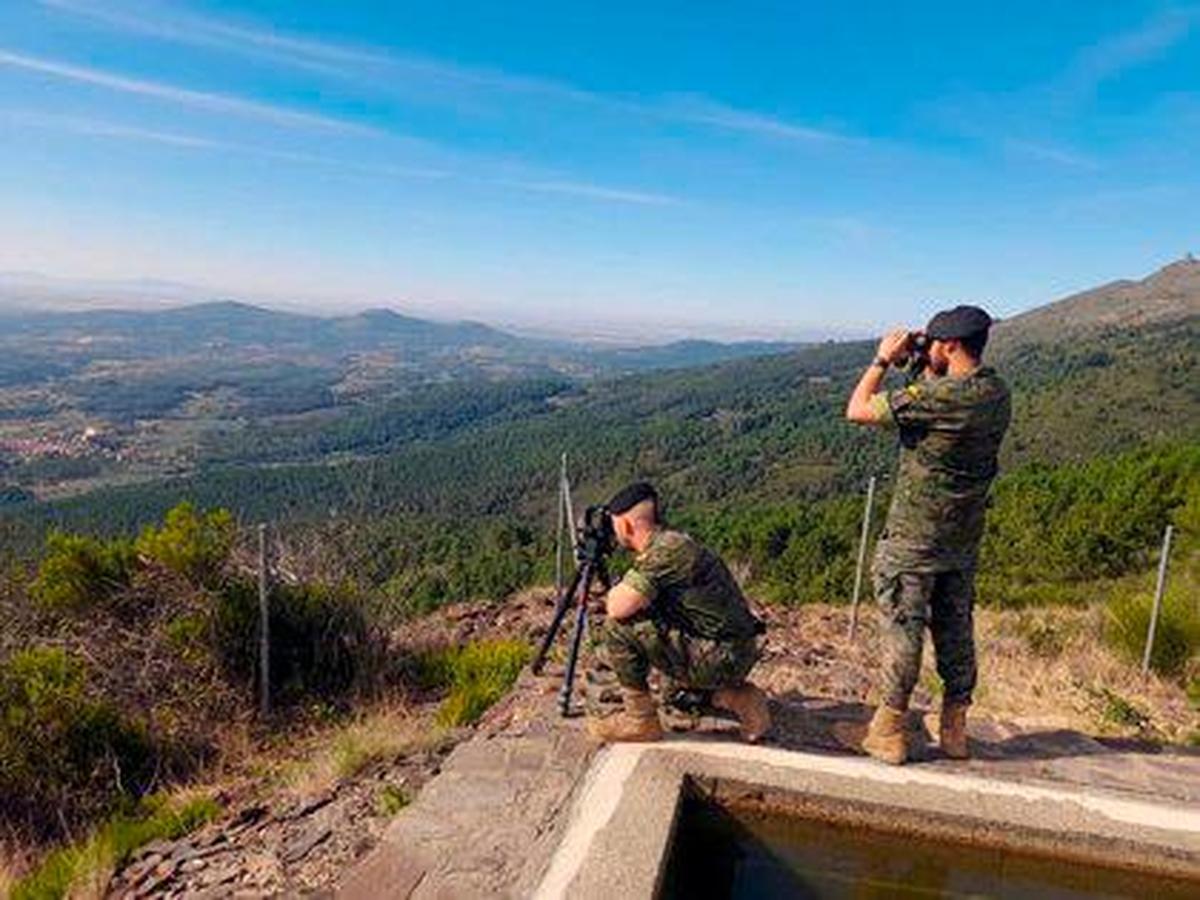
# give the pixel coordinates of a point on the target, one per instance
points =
(172, 24)
(1049, 153)
(98, 128)
(120, 131)
(169, 24)
(209, 102)
(708, 112)
(1110, 57)
(594, 192)
(997, 118)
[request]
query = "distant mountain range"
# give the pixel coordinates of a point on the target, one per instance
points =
(207, 337)
(210, 336)
(229, 324)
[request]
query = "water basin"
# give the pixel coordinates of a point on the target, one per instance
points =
(720, 852)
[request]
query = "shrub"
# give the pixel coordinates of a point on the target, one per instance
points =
(91, 862)
(1116, 710)
(320, 639)
(60, 749)
(1177, 635)
(1045, 633)
(190, 543)
(481, 673)
(391, 800)
(80, 571)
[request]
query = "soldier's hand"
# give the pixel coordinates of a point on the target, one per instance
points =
(893, 346)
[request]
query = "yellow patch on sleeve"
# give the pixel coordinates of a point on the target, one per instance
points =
(881, 410)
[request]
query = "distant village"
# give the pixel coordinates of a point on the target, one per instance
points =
(91, 441)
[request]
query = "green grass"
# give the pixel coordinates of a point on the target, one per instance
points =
(391, 800)
(361, 746)
(1117, 710)
(1177, 636)
(1045, 633)
(477, 675)
(91, 861)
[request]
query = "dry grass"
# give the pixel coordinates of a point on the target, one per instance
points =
(345, 750)
(1043, 668)
(8, 875)
(1050, 667)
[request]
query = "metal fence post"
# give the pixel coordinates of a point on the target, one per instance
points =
(1159, 588)
(558, 535)
(862, 556)
(567, 504)
(264, 628)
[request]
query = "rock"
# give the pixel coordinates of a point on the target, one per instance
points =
(219, 875)
(300, 847)
(314, 803)
(142, 867)
(159, 876)
(154, 848)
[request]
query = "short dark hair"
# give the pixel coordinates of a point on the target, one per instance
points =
(974, 343)
(631, 495)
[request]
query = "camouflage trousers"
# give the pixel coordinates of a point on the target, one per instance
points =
(635, 645)
(908, 603)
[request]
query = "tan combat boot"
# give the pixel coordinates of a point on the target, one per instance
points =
(953, 731)
(638, 721)
(749, 704)
(885, 738)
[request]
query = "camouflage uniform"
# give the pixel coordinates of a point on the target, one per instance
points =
(924, 569)
(698, 629)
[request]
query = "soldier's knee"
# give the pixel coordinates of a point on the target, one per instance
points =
(619, 632)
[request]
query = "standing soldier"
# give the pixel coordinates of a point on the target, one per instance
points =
(950, 423)
(678, 610)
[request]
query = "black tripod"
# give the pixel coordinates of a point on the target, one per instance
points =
(595, 542)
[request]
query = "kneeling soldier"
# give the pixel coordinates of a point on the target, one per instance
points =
(678, 610)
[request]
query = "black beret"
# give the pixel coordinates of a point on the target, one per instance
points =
(960, 322)
(630, 496)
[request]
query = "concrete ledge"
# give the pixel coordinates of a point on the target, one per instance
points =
(624, 817)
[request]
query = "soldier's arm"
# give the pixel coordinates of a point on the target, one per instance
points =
(867, 404)
(625, 600)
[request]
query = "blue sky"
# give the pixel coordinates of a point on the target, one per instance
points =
(658, 167)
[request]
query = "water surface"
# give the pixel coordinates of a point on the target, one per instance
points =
(717, 854)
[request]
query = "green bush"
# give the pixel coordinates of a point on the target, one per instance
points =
(481, 673)
(793, 554)
(1116, 710)
(391, 800)
(191, 543)
(79, 571)
(1177, 635)
(61, 749)
(1079, 522)
(110, 845)
(433, 670)
(321, 642)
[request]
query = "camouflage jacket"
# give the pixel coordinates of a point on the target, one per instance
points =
(690, 588)
(950, 433)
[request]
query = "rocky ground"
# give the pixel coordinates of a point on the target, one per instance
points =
(302, 839)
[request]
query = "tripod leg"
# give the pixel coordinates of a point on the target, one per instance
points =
(564, 700)
(560, 612)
